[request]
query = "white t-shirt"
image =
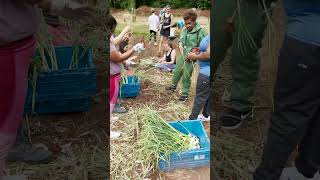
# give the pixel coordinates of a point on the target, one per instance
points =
(153, 22)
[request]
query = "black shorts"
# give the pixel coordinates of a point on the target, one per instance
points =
(165, 32)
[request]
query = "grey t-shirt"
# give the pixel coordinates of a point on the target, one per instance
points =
(17, 21)
(115, 68)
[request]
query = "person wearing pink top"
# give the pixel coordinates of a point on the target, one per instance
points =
(116, 59)
(19, 20)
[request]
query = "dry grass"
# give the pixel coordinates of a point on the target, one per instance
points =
(124, 150)
(237, 153)
(76, 163)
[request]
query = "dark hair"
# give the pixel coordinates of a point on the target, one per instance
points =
(190, 14)
(122, 45)
(111, 23)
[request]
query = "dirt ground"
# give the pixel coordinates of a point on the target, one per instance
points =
(150, 95)
(160, 97)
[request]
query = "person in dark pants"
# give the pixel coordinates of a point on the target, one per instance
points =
(203, 82)
(153, 26)
(296, 117)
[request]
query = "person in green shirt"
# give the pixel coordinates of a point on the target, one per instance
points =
(190, 38)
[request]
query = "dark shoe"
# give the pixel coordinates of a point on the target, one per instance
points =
(183, 98)
(234, 119)
(27, 153)
(119, 110)
(171, 88)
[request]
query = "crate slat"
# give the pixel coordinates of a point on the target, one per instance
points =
(64, 90)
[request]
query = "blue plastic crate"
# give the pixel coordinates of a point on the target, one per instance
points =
(191, 158)
(131, 89)
(64, 90)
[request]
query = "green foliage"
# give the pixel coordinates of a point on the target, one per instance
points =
(203, 4)
(125, 4)
(120, 4)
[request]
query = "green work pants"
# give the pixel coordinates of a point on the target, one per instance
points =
(183, 70)
(245, 61)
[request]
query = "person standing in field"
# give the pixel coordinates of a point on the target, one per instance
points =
(295, 120)
(19, 20)
(23, 150)
(116, 60)
(165, 24)
(162, 11)
(201, 101)
(190, 38)
(121, 42)
(153, 26)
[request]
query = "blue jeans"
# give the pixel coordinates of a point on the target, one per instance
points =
(167, 67)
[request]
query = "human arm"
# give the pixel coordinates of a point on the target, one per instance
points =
(120, 37)
(132, 58)
(201, 56)
(163, 59)
(169, 26)
(119, 57)
(160, 23)
(65, 8)
(181, 47)
(182, 40)
(129, 61)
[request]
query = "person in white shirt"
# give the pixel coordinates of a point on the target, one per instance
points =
(153, 26)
